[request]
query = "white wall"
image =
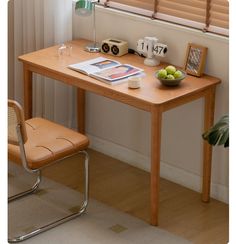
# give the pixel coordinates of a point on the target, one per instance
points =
(124, 132)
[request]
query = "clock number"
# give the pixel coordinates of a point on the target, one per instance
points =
(142, 45)
(158, 49)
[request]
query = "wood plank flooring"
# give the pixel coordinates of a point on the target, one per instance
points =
(127, 188)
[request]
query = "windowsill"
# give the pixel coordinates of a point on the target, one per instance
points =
(157, 23)
(162, 23)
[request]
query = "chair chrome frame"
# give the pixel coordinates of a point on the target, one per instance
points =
(36, 185)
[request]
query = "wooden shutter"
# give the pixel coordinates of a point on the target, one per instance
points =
(142, 7)
(194, 10)
(208, 15)
(147, 4)
(219, 13)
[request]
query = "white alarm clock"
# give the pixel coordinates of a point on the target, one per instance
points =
(151, 49)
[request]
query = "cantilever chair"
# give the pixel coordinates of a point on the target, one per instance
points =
(37, 143)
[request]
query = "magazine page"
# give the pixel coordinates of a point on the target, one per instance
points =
(120, 81)
(94, 65)
(117, 72)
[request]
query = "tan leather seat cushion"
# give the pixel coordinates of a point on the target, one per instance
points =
(47, 142)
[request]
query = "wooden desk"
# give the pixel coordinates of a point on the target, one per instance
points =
(152, 97)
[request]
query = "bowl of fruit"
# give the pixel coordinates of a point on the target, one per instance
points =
(170, 76)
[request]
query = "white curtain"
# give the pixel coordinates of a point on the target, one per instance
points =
(39, 24)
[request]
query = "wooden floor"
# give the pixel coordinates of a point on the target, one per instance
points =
(127, 188)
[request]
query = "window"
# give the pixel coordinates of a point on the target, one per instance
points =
(206, 15)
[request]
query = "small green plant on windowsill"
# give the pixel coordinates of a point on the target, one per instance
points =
(219, 133)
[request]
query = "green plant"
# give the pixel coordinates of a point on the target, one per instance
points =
(219, 133)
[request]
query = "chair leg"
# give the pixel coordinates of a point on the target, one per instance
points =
(65, 219)
(27, 192)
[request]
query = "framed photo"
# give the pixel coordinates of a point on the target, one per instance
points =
(195, 59)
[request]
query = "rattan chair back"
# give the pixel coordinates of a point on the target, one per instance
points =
(15, 119)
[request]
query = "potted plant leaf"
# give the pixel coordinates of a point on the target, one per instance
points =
(219, 133)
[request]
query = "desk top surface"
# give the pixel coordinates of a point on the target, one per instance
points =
(151, 92)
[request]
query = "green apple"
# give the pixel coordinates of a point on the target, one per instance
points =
(162, 74)
(170, 77)
(170, 69)
(178, 74)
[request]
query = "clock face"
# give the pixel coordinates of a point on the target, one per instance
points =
(160, 49)
(140, 46)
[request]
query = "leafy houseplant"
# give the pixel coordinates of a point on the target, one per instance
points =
(219, 133)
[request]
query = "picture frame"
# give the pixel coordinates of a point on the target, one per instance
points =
(195, 59)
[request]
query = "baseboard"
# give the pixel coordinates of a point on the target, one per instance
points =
(169, 172)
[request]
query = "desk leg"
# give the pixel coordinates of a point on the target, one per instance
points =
(81, 110)
(27, 92)
(207, 148)
(156, 119)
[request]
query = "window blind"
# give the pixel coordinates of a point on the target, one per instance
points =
(148, 4)
(219, 13)
(207, 15)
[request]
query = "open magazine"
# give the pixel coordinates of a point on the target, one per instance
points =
(106, 70)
